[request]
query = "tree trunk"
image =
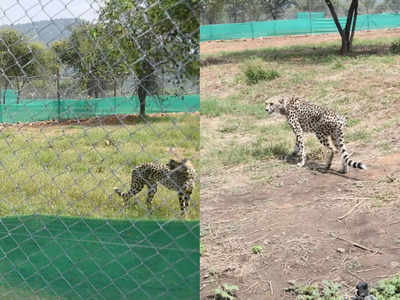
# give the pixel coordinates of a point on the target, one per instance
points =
(348, 33)
(142, 93)
(5, 92)
(18, 90)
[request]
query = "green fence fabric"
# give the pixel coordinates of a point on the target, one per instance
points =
(65, 109)
(77, 258)
(11, 96)
(293, 27)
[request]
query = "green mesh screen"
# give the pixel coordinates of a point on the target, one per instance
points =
(65, 109)
(78, 258)
(291, 27)
(10, 96)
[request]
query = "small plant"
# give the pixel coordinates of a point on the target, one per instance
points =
(395, 47)
(226, 292)
(201, 249)
(254, 72)
(387, 289)
(256, 249)
(326, 291)
(338, 65)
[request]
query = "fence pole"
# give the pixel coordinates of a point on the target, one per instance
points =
(58, 93)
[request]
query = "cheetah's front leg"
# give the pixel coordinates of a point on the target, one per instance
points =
(299, 147)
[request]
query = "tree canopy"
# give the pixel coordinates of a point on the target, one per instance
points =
(154, 36)
(20, 60)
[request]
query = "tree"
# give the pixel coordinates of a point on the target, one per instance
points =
(154, 36)
(393, 5)
(89, 52)
(310, 5)
(20, 60)
(368, 5)
(275, 8)
(253, 10)
(347, 33)
(211, 11)
(235, 10)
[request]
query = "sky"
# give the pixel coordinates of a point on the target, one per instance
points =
(27, 11)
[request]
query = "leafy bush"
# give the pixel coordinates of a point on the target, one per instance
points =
(326, 291)
(254, 72)
(226, 292)
(395, 47)
(387, 289)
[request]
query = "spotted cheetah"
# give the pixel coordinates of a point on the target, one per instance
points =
(175, 175)
(306, 117)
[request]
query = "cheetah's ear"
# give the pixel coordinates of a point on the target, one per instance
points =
(172, 163)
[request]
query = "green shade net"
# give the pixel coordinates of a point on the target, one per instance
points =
(75, 258)
(66, 109)
(302, 25)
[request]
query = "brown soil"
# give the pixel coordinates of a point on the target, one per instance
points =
(97, 121)
(280, 41)
(294, 219)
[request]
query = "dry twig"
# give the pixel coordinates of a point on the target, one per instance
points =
(356, 244)
(351, 210)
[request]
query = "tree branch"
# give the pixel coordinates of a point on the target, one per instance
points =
(352, 9)
(353, 28)
(335, 17)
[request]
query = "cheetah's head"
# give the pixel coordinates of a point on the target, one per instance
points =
(277, 106)
(177, 165)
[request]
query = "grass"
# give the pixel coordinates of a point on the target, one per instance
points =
(244, 133)
(72, 170)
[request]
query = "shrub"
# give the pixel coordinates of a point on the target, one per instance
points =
(395, 47)
(254, 72)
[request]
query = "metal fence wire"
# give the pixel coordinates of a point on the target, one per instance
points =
(96, 94)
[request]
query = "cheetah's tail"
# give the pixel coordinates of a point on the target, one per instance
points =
(354, 164)
(118, 191)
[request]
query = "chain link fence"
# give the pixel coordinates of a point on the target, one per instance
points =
(96, 94)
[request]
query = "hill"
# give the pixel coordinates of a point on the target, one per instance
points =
(47, 31)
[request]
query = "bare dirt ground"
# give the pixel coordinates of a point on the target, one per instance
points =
(279, 41)
(296, 221)
(312, 226)
(98, 121)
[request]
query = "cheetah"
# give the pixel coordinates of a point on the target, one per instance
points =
(175, 175)
(306, 117)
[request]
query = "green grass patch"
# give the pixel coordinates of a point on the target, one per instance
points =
(326, 290)
(234, 105)
(72, 171)
(236, 154)
(359, 135)
(254, 72)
